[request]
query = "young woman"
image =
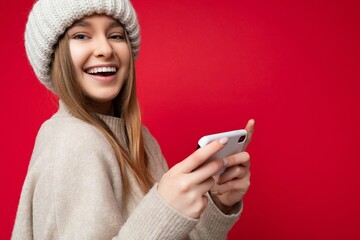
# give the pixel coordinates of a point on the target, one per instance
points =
(96, 172)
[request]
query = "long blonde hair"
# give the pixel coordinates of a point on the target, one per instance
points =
(126, 103)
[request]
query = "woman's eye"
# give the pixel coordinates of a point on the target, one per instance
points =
(117, 37)
(80, 37)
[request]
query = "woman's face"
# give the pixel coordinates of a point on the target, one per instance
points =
(101, 58)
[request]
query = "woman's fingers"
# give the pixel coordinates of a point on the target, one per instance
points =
(242, 158)
(241, 184)
(205, 186)
(238, 166)
(250, 128)
(201, 155)
(232, 173)
(206, 170)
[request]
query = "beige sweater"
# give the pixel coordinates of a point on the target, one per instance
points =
(73, 190)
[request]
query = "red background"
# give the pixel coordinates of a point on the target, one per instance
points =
(209, 66)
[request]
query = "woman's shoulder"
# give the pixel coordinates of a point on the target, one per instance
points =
(60, 128)
(69, 141)
(69, 135)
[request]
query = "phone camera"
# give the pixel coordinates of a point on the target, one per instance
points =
(241, 139)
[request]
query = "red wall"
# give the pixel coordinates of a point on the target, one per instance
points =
(209, 66)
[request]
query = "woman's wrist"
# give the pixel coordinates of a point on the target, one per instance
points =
(224, 209)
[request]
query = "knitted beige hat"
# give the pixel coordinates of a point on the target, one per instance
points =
(49, 19)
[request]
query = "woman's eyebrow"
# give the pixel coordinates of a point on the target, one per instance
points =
(115, 24)
(81, 23)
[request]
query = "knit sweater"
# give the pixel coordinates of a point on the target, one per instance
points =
(73, 190)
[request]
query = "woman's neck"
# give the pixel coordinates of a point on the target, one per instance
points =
(106, 108)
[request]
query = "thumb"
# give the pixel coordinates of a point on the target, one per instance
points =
(250, 128)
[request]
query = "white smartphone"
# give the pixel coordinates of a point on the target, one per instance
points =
(235, 144)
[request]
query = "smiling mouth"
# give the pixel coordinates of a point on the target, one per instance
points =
(102, 71)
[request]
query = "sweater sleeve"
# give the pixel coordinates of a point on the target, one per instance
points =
(214, 224)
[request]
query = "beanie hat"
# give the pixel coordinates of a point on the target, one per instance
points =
(49, 19)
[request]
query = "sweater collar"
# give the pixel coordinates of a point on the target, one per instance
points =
(114, 123)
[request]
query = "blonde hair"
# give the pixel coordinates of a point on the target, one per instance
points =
(126, 103)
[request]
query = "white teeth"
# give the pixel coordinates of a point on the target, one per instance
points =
(101, 69)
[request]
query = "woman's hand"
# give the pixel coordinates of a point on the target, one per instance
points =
(184, 186)
(232, 185)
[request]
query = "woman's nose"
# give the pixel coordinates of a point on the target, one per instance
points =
(103, 48)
